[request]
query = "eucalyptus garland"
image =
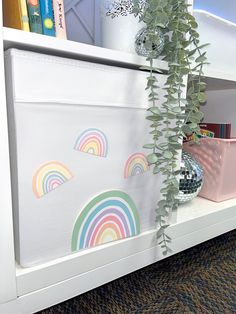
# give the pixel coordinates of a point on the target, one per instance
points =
(178, 116)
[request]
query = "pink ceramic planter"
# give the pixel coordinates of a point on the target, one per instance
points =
(218, 159)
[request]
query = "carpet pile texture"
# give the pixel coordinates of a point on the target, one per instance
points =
(200, 280)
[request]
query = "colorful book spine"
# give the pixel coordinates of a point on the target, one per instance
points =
(34, 16)
(15, 14)
(212, 130)
(218, 130)
(24, 16)
(47, 17)
(59, 19)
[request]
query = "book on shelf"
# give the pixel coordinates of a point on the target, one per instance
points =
(15, 14)
(34, 13)
(217, 130)
(47, 17)
(212, 130)
(59, 18)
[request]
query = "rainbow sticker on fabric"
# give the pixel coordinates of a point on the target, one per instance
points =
(135, 165)
(50, 176)
(92, 141)
(108, 217)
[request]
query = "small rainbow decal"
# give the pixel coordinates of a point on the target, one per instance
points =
(135, 165)
(108, 217)
(50, 176)
(92, 141)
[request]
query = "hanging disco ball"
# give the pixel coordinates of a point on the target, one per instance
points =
(146, 49)
(191, 178)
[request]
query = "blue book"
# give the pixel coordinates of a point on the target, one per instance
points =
(47, 16)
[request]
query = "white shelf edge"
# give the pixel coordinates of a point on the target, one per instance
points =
(215, 73)
(8, 276)
(55, 293)
(14, 38)
(194, 219)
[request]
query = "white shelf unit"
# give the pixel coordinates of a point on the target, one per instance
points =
(31, 289)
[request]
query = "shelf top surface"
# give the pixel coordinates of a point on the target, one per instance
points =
(14, 38)
(200, 207)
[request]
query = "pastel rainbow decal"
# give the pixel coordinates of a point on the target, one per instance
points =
(135, 165)
(49, 177)
(92, 141)
(108, 217)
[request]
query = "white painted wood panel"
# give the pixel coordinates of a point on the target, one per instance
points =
(7, 276)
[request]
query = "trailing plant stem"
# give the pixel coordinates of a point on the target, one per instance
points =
(175, 117)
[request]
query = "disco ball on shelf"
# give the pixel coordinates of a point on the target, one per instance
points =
(155, 48)
(191, 178)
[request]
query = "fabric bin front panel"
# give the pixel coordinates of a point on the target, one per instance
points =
(79, 170)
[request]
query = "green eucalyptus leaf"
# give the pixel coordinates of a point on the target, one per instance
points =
(160, 232)
(202, 97)
(149, 146)
(155, 110)
(154, 118)
(167, 154)
(152, 158)
(156, 169)
(177, 109)
(201, 58)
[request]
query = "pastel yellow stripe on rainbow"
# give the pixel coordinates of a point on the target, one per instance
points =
(50, 168)
(92, 147)
(136, 164)
(139, 162)
(108, 234)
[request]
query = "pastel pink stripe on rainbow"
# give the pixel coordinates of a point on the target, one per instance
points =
(137, 159)
(107, 219)
(94, 140)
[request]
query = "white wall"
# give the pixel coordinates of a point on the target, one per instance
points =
(221, 103)
(223, 8)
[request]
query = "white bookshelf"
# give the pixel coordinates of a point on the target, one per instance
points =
(31, 289)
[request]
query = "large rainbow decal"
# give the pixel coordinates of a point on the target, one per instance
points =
(92, 141)
(109, 216)
(135, 165)
(50, 176)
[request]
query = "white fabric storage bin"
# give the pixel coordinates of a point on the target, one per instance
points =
(220, 33)
(79, 172)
